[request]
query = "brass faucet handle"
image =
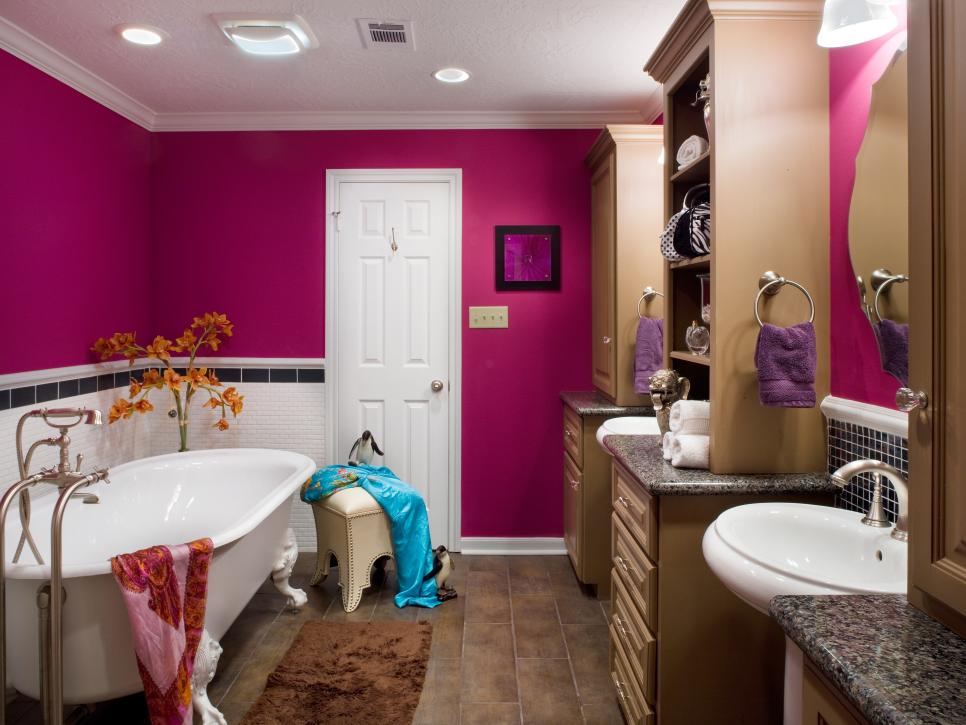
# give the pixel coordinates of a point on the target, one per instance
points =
(80, 460)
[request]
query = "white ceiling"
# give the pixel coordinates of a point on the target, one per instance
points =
(548, 59)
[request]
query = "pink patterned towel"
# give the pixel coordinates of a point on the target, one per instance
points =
(165, 590)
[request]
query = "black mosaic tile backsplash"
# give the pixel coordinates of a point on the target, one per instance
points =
(849, 442)
(45, 392)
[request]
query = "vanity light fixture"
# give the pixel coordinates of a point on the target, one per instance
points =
(451, 75)
(851, 22)
(141, 34)
(259, 35)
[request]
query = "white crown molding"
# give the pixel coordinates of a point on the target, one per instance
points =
(484, 545)
(390, 120)
(50, 375)
(766, 9)
(886, 420)
(18, 42)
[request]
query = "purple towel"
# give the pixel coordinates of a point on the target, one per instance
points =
(649, 357)
(785, 358)
(893, 339)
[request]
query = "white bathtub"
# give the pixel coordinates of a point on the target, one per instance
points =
(240, 498)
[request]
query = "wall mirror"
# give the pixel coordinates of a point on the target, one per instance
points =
(879, 219)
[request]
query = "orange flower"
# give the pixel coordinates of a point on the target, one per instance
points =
(198, 322)
(135, 388)
(213, 379)
(185, 341)
(212, 403)
(143, 406)
(222, 424)
(159, 348)
(172, 379)
(151, 378)
(197, 377)
(212, 341)
(237, 404)
(120, 409)
(229, 395)
(227, 328)
(103, 348)
(121, 340)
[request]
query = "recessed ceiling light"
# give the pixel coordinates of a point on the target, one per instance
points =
(141, 34)
(451, 75)
(259, 35)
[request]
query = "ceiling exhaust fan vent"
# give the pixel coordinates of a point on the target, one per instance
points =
(386, 34)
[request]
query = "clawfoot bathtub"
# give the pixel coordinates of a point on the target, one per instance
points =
(240, 498)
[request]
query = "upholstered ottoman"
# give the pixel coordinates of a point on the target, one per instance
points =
(350, 525)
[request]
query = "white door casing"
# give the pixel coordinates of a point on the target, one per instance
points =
(393, 328)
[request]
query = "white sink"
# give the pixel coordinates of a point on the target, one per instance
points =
(762, 550)
(628, 426)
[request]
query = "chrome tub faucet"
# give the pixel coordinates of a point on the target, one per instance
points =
(876, 515)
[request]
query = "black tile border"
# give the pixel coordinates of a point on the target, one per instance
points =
(849, 442)
(25, 395)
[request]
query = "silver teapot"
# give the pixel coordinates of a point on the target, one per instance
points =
(667, 387)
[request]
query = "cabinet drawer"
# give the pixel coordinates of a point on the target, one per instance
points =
(573, 513)
(573, 436)
(640, 646)
(635, 571)
(636, 710)
(636, 510)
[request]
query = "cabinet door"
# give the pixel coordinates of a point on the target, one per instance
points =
(573, 506)
(602, 250)
(821, 706)
(937, 218)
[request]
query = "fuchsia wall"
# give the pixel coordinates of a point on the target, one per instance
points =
(856, 372)
(244, 212)
(74, 206)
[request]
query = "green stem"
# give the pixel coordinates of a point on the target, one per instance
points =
(182, 422)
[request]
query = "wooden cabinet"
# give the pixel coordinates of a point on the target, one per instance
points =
(573, 512)
(823, 705)
(937, 218)
(767, 167)
(627, 212)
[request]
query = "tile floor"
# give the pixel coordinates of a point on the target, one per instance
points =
(523, 643)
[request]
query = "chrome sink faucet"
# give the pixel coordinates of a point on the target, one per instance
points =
(875, 515)
(62, 475)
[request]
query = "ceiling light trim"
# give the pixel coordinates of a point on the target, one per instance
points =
(391, 120)
(30, 49)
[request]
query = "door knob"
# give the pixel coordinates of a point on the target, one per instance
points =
(907, 399)
(436, 385)
(605, 340)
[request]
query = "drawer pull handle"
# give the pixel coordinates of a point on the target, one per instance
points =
(622, 563)
(619, 686)
(574, 484)
(621, 628)
(628, 504)
(568, 433)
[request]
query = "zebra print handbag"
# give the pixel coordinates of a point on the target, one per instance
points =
(688, 233)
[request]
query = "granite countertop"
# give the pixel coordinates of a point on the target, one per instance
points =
(894, 663)
(594, 403)
(641, 456)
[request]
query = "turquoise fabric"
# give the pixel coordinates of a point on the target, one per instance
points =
(406, 509)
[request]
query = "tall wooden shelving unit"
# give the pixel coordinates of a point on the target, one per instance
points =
(768, 170)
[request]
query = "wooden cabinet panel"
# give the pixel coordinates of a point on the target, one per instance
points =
(629, 696)
(640, 646)
(937, 218)
(602, 251)
(637, 510)
(635, 570)
(573, 513)
(822, 706)
(573, 436)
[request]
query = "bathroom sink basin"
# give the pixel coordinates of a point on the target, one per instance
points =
(762, 550)
(628, 426)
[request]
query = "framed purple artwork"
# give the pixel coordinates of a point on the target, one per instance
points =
(528, 258)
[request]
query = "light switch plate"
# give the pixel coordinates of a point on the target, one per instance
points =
(490, 317)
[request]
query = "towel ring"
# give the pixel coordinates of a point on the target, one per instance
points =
(770, 283)
(883, 287)
(649, 294)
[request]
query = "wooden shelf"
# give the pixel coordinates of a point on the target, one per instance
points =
(692, 358)
(698, 171)
(703, 261)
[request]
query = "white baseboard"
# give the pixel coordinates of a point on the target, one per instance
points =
(886, 420)
(515, 546)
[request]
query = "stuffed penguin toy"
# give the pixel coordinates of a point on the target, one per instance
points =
(365, 445)
(442, 567)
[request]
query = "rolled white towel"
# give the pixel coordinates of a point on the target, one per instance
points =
(690, 417)
(666, 442)
(690, 150)
(690, 451)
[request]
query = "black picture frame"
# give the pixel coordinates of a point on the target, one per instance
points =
(553, 264)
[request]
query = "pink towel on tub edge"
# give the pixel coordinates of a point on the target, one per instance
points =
(165, 591)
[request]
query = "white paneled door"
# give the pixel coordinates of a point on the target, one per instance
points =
(392, 342)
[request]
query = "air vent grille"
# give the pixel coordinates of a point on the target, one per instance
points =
(386, 34)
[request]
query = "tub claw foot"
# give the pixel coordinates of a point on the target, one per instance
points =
(283, 571)
(206, 662)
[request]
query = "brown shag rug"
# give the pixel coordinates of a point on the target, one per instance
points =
(347, 672)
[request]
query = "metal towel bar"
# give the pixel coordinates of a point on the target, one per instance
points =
(771, 283)
(649, 294)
